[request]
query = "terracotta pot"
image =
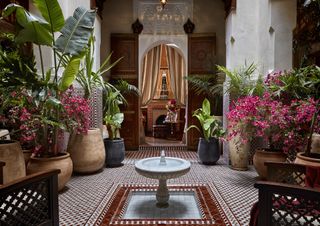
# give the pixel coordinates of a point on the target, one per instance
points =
(62, 162)
(315, 145)
(239, 154)
(11, 154)
(262, 156)
(87, 151)
(313, 160)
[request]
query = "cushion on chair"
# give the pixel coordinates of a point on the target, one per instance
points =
(312, 179)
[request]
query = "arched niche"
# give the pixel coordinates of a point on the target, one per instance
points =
(147, 42)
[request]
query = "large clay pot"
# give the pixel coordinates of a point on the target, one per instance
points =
(62, 162)
(313, 160)
(11, 154)
(208, 151)
(262, 156)
(87, 151)
(115, 151)
(239, 154)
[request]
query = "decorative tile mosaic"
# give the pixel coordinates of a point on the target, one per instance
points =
(86, 196)
(208, 210)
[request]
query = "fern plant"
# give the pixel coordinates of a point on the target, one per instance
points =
(241, 81)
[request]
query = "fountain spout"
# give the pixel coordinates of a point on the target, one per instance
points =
(162, 158)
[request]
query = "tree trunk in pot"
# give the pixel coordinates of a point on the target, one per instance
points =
(11, 154)
(62, 162)
(208, 151)
(239, 154)
(87, 151)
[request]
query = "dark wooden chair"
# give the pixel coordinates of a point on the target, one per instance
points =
(284, 199)
(31, 200)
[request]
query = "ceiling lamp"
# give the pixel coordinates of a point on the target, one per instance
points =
(163, 3)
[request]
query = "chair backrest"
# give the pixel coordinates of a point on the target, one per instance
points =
(287, 173)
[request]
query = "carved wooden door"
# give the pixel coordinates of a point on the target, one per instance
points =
(126, 46)
(201, 60)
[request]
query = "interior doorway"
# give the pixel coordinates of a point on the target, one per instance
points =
(163, 100)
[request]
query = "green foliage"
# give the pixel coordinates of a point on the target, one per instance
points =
(113, 98)
(67, 49)
(241, 81)
(300, 83)
(88, 78)
(211, 85)
(76, 32)
(210, 126)
(51, 11)
(17, 68)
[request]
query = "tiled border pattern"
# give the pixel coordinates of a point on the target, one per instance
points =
(212, 212)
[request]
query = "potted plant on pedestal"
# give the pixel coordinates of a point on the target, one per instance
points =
(211, 130)
(67, 48)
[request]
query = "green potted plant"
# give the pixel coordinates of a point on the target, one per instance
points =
(113, 117)
(67, 49)
(302, 84)
(211, 130)
(241, 82)
(87, 149)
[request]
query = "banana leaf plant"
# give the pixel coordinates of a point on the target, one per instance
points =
(67, 50)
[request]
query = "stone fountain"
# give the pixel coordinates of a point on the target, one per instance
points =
(162, 168)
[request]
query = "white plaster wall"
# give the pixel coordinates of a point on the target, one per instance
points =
(283, 20)
(242, 28)
(67, 8)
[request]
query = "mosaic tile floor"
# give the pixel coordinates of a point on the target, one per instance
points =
(86, 195)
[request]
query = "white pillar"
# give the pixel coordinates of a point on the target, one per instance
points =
(259, 32)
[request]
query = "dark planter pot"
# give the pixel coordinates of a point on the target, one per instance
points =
(208, 152)
(115, 151)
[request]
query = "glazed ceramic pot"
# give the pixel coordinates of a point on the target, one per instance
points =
(208, 151)
(62, 162)
(87, 151)
(11, 154)
(115, 152)
(261, 156)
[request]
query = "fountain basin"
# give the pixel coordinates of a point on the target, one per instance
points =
(152, 168)
(162, 168)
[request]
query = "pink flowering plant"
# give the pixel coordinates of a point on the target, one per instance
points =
(32, 121)
(283, 126)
